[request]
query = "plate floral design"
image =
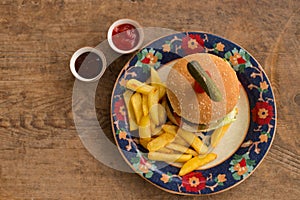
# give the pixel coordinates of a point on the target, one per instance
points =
(259, 135)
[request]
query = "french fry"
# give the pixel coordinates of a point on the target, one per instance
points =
(153, 99)
(160, 142)
(168, 112)
(145, 104)
(144, 128)
(170, 128)
(156, 82)
(179, 140)
(193, 140)
(136, 101)
(157, 131)
(138, 86)
(144, 142)
(155, 78)
(176, 164)
(165, 150)
(182, 149)
(153, 127)
(218, 134)
(162, 90)
(195, 163)
(154, 115)
(162, 116)
(169, 157)
(131, 116)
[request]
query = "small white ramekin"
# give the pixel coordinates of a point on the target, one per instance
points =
(84, 50)
(125, 21)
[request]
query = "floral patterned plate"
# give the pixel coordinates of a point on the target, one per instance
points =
(258, 120)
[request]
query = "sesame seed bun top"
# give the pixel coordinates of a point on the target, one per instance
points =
(195, 107)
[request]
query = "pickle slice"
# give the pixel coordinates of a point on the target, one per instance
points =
(208, 85)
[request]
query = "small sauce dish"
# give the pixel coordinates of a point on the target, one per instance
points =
(88, 64)
(125, 36)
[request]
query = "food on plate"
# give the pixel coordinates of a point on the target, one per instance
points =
(204, 81)
(166, 125)
(144, 128)
(138, 86)
(131, 116)
(209, 99)
(179, 157)
(136, 100)
(170, 128)
(160, 141)
(181, 148)
(218, 134)
(153, 99)
(156, 81)
(196, 162)
(193, 140)
(145, 104)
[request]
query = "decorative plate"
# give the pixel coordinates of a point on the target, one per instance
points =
(246, 142)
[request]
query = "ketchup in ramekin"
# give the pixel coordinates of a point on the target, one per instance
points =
(125, 36)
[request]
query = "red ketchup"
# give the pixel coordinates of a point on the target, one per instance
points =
(125, 37)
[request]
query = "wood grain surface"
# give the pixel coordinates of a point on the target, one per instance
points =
(41, 155)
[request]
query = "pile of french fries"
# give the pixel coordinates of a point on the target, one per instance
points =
(159, 133)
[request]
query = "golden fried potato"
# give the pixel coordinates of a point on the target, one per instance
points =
(144, 142)
(136, 102)
(145, 104)
(170, 128)
(195, 163)
(169, 157)
(153, 99)
(218, 134)
(131, 116)
(138, 86)
(144, 128)
(160, 142)
(193, 140)
(168, 112)
(181, 149)
(156, 82)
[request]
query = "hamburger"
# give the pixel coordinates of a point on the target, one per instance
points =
(206, 105)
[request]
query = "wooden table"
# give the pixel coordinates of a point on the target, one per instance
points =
(41, 155)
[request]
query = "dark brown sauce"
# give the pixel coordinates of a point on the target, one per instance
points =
(88, 65)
